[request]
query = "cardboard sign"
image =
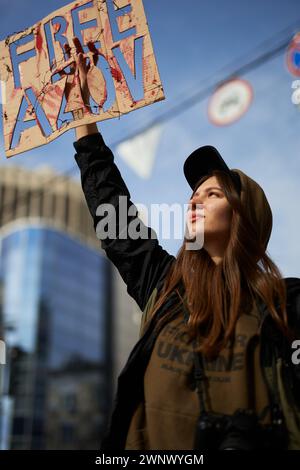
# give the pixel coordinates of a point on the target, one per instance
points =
(40, 103)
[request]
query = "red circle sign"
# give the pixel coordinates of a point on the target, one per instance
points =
(293, 56)
(230, 102)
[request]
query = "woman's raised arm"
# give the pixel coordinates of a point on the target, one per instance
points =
(141, 261)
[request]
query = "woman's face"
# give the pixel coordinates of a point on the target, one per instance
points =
(209, 213)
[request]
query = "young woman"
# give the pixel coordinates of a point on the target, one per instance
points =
(212, 368)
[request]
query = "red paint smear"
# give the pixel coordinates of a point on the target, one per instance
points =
(129, 54)
(116, 74)
(14, 92)
(58, 90)
(53, 96)
(52, 117)
(56, 27)
(49, 103)
(145, 70)
(107, 35)
(73, 85)
(39, 40)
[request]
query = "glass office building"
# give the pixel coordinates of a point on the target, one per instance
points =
(55, 313)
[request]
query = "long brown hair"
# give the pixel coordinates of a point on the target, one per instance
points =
(215, 293)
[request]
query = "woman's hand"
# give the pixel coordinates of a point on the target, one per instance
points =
(80, 69)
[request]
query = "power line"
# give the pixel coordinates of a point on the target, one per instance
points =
(195, 97)
(192, 100)
(204, 93)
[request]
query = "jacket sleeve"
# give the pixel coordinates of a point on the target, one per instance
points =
(141, 261)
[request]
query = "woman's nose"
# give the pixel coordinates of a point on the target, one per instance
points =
(195, 202)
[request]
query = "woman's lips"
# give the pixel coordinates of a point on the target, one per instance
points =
(193, 218)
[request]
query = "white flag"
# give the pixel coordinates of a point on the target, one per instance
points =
(140, 151)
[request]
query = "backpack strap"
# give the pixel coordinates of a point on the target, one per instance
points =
(147, 310)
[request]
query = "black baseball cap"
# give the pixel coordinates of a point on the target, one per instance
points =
(202, 161)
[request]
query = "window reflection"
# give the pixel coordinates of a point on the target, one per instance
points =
(53, 296)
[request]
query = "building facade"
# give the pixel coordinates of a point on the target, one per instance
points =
(60, 316)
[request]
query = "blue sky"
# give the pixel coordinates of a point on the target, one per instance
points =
(193, 41)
